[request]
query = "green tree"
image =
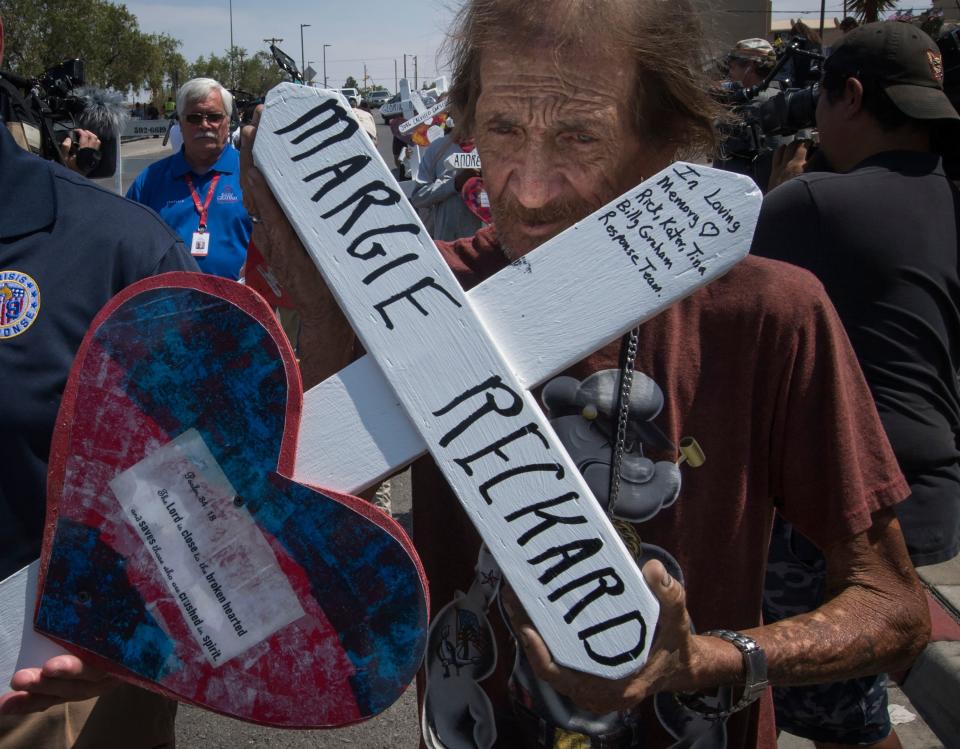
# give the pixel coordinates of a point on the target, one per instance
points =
(166, 67)
(870, 10)
(107, 37)
(255, 74)
(351, 82)
(260, 74)
(215, 67)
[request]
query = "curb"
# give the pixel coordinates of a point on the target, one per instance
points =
(933, 683)
(933, 687)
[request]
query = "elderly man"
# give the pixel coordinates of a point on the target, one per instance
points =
(197, 190)
(571, 104)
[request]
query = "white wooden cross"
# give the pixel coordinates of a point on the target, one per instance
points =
(427, 114)
(450, 373)
(527, 323)
(415, 111)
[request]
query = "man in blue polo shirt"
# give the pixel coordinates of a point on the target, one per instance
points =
(197, 190)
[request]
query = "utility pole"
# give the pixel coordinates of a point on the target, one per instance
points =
(303, 62)
(325, 64)
(396, 80)
(233, 80)
(416, 83)
(404, 64)
(272, 41)
(823, 10)
(365, 76)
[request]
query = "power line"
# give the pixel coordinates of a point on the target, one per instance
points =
(794, 12)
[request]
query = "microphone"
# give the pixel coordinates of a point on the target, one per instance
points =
(105, 115)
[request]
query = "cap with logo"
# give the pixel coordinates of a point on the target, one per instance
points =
(903, 60)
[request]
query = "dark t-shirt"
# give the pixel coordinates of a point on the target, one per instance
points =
(756, 368)
(883, 240)
(66, 247)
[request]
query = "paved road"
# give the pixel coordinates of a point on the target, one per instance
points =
(396, 728)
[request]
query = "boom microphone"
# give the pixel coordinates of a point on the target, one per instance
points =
(104, 115)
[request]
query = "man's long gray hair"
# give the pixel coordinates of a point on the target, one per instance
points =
(197, 89)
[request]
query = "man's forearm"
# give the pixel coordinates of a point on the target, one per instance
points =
(875, 618)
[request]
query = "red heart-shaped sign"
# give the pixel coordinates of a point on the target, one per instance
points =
(179, 556)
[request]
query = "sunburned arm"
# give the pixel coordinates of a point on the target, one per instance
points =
(876, 621)
(326, 338)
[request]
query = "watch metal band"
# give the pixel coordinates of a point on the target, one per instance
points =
(755, 664)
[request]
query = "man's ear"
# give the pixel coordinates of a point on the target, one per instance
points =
(853, 96)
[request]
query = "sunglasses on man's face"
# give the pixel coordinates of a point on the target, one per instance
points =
(214, 118)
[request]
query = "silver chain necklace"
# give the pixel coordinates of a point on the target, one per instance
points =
(625, 529)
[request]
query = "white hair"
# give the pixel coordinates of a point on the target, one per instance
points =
(197, 89)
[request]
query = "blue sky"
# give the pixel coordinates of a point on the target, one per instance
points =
(373, 31)
(377, 32)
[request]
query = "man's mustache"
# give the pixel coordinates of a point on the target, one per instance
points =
(205, 134)
(508, 209)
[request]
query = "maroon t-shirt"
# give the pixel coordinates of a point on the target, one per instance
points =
(757, 370)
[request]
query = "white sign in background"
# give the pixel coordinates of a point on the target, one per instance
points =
(463, 160)
(143, 128)
(211, 556)
(483, 428)
(424, 116)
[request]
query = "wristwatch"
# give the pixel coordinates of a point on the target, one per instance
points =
(755, 664)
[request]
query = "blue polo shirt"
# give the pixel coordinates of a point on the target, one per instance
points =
(162, 187)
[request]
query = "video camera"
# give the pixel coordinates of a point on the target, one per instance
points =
(56, 103)
(286, 64)
(57, 84)
(765, 115)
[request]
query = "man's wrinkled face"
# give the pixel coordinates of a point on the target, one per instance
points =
(557, 139)
(205, 127)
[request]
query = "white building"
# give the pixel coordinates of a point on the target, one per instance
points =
(725, 22)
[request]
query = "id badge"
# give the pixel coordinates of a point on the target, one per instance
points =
(200, 245)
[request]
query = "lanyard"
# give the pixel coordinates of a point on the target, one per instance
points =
(202, 209)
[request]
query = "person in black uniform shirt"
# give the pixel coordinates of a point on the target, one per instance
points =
(881, 234)
(66, 247)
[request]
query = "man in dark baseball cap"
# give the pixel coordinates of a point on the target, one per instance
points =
(881, 235)
(901, 60)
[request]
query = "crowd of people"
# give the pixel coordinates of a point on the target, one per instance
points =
(819, 375)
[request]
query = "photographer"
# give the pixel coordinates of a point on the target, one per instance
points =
(745, 148)
(66, 248)
(23, 113)
(881, 234)
(750, 61)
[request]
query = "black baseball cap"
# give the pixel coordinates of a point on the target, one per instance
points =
(903, 60)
